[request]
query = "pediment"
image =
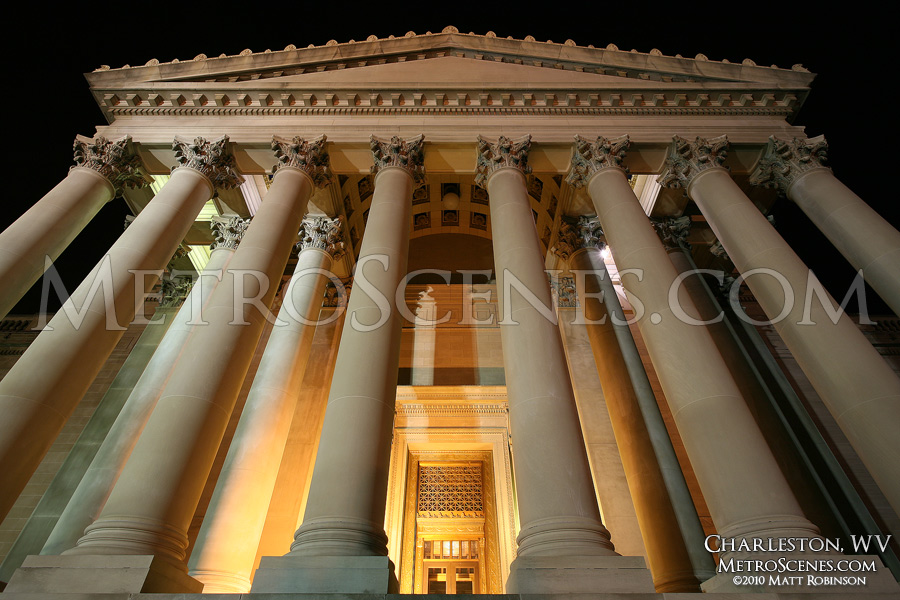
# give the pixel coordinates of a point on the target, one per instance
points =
(406, 58)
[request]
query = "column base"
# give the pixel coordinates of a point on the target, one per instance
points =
(579, 575)
(100, 574)
(325, 575)
(881, 581)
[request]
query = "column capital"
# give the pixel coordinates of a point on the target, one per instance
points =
(504, 153)
(786, 161)
(590, 158)
(308, 156)
(323, 233)
(173, 290)
(228, 232)
(212, 159)
(688, 159)
(673, 232)
(114, 160)
(578, 235)
(408, 154)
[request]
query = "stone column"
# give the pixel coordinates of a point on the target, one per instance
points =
(150, 509)
(798, 168)
(341, 545)
(746, 492)
(102, 168)
(854, 381)
(223, 556)
(559, 532)
(95, 487)
(44, 386)
(668, 519)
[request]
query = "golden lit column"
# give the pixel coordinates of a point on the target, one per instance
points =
(560, 532)
(47, 382)
(859, 388)
(671, 530)
(98, 481)
(152, 504)
(798, 168)
(746, 492)
(341, 546)
(39, 236)
(225, 550)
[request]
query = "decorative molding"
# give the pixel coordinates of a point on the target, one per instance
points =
(308, 156)
(212, 159)
(115, 160)
(408, 154)
(784, 161)
(688, 159)
(502, 154)
(323, 233)
(410, 409)
(228, 232)
(590, 158)
(673, 232)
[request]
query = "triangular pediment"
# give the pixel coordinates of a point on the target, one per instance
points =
(507, 57)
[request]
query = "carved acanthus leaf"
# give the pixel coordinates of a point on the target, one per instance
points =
(785, 161)
(590, 233)
(212, 159)
(115, 160)
(567, 241)
(228, 232)
(324, 233)
(308, 156)
(173, 290)
(673, 232)
(591, 157)
(504, 153)
(408, 154)
(688, 159)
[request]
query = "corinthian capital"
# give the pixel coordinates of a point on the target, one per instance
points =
(407, 154)
(323, 233)
(687, 159)
(505, 153)
(673, 232)
(115, 160)
(592, 157)
(228, 232)
(308, 156)
(786, 161)
(590, 233)
(213, 160)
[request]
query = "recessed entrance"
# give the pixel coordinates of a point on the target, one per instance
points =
(453, 518)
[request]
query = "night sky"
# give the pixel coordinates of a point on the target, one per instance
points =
(46, 101)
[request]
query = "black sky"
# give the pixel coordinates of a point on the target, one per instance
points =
(46, 101)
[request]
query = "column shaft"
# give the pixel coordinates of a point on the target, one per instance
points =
(46, 229)
(226, 546)
(345, 508)
(854, 381)
(858, 232)
(669, 524)
(548, 447)
(92, 492)
(743, 486)
(44, 386)
(152, 504)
